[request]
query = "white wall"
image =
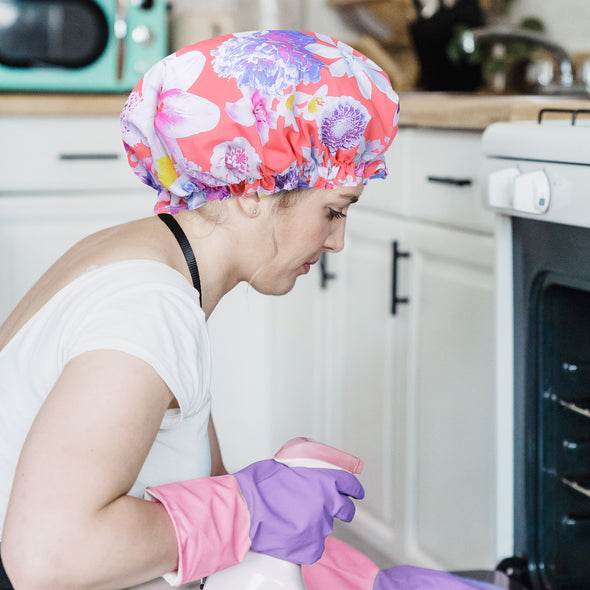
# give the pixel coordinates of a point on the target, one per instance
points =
(566, 21)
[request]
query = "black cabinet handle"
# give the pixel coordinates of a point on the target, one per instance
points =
(95, 156)
(395, 300)
(326, 275)
(450, 180)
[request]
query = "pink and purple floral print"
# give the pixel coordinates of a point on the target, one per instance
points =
(257, 113)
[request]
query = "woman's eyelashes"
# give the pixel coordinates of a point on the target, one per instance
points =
(333, 214)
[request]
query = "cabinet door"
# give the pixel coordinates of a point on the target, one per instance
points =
(36, 230)
(365, 398)
(450, 424)
(299, 339)
(412, 393)
(242, 357)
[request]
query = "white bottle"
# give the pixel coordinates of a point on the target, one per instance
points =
(262, 572)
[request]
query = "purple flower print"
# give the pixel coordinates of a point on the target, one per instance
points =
(270, 67)
(342, 127)
(289, 179)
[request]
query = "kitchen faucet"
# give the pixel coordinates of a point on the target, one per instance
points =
(502, 33)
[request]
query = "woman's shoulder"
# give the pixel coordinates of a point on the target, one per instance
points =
(110, 261)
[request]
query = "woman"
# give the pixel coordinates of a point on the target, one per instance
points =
(110, 471)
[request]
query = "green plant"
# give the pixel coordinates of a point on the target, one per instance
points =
(493, 57)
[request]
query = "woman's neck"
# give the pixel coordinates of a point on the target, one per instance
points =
(215, 251)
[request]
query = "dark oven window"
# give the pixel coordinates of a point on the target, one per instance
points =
(552, 402)
(562, 458)
(51, 33)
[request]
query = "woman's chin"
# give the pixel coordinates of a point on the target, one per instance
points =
(273, 288)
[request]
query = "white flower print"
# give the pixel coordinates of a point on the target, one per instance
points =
(310, 105)
(254, 109)
(347, 63)
(235, 161)
(163, 104)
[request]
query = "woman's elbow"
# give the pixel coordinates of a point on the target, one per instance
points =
(22, 567)
(33, 567)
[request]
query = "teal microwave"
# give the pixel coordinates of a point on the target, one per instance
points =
(79, 45)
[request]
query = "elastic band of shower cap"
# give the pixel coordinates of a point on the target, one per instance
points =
(257, 113)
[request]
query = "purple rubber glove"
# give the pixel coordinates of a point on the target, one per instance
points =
(482, 585)
(292, 509)
(406, 577)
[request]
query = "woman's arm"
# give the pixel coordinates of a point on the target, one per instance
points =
(70, 523)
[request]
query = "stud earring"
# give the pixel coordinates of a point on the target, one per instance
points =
(254, 211)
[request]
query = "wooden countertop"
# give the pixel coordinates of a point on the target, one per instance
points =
(477, 111)
(55, 105)
(422, 109)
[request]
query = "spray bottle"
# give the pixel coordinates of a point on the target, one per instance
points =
(262, 572)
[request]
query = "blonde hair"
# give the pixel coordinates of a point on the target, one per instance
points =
(214, 211)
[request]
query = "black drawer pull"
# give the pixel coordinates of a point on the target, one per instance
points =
(450, 180)
(395, 300)
(89, 156)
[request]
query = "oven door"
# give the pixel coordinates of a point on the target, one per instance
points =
(552, 401)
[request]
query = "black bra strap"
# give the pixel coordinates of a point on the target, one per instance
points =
(184, 244)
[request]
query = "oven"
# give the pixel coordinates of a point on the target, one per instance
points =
(537, 179)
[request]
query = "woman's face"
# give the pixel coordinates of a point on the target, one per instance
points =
(313, 224)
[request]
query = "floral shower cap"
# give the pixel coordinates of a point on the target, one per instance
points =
(258, 113)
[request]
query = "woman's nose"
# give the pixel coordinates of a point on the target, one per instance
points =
(335, 240)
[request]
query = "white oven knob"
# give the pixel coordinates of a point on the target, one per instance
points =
(501, 187)
(532, 192)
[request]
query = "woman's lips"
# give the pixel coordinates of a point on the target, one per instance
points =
(307, 266)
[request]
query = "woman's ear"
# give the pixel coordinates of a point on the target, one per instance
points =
(249, 205)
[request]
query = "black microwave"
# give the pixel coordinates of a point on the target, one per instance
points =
(79, 45)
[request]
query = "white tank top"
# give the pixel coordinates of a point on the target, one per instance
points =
(141, 307)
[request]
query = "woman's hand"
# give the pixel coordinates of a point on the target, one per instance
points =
(285, 512)
(292, 509)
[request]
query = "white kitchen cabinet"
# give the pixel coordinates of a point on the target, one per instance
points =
(449, 478)
(63, 178)
(410, 393)
(35, 230)
(413, 393)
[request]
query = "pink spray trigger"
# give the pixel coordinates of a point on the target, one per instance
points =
(306, 448)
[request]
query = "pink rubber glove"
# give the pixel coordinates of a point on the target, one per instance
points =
(282, 511)
(343, 568)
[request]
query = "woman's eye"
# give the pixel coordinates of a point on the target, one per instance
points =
(333, 214)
